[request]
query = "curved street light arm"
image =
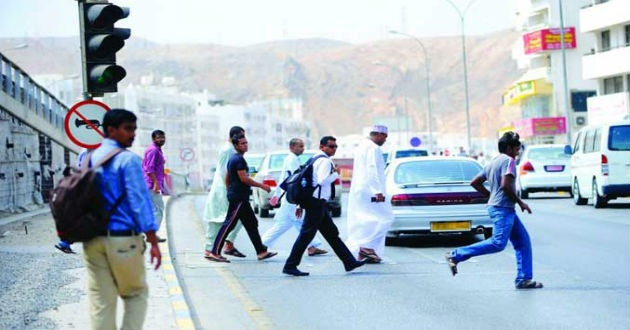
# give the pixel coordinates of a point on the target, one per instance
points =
(459, 12)
(467, 7)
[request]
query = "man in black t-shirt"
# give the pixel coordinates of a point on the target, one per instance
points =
(239, 185)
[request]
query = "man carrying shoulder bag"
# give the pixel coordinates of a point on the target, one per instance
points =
(115, 258)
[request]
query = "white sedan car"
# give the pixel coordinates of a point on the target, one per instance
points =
(544, 168)
(432, 195)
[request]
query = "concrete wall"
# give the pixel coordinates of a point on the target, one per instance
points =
(30, 164)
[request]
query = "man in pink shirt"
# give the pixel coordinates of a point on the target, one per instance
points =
(153, 170)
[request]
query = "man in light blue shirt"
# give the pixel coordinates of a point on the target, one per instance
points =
(115, 259)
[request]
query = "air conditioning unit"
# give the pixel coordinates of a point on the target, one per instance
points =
(580, 120)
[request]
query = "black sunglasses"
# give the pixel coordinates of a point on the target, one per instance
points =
(334, 146)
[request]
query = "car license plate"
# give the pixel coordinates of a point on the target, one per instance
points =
(450, 226)
(554, 168)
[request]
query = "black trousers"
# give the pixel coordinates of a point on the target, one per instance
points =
(318, 218)
(239, 210)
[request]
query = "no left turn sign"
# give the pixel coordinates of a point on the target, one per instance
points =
(83, 123)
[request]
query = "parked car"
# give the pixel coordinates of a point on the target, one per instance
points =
(543, 168)
(254, 161)
(345, 165)
(269, 173)
(433, 195)
(600, 163)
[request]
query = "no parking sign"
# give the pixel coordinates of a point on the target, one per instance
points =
(83, 123)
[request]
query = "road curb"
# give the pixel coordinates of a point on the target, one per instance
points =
(180, 303)
(24, 216)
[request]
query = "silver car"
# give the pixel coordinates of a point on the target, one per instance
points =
(432, 195)
(544, 168)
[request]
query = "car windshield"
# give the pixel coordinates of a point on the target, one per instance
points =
(438, 171)
(619, 138)
(254, 161)
(276, 161)
(305, 157)
(411, 153)
(552, 153)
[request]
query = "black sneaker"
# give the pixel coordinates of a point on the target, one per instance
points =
(529, 284)
(355, 265)
(65, 249)
(294, 272)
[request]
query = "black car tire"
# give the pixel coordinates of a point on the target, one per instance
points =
(389, 241)
(577, 198)
(487, 233)
(598, 201)
(523, 194)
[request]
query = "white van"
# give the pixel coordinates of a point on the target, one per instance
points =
(600, 163)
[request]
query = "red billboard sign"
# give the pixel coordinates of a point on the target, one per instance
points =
(548, 39)
(540, 126)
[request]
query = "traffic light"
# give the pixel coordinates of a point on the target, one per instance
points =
(100, 41)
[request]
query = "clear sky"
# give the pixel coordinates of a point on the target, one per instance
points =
(244, 22)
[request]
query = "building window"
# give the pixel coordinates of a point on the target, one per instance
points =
(578, 100)
(627, 28)
(628, 83)
(605, 36)
(613, 85)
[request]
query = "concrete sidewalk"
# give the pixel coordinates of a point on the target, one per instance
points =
(57, 298)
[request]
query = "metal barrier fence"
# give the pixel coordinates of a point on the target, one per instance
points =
(30, 162)
(16, 83)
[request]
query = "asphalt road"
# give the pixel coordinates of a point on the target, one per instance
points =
(581, 254)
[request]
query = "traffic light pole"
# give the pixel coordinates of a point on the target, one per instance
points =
(86, 94)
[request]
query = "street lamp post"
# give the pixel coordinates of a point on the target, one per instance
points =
(428, 80)
(565, 88)
(462, 17)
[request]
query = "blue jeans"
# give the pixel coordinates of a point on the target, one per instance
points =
(507, 225)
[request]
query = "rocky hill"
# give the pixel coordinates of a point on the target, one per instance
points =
(343, 85)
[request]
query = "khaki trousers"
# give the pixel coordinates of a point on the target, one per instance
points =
(116, 267)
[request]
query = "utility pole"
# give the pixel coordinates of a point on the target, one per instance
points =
(565, 87)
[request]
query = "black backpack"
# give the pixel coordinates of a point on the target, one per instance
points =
(77, 203)
(298, 187)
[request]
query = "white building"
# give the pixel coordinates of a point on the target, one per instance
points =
(608, 62)
(269, 125)
(539, 93)
(163, 107)
(286, 121)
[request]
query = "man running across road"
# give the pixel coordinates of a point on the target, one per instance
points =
(500, 173)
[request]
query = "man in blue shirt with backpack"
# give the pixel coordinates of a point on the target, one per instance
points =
(115, 258)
